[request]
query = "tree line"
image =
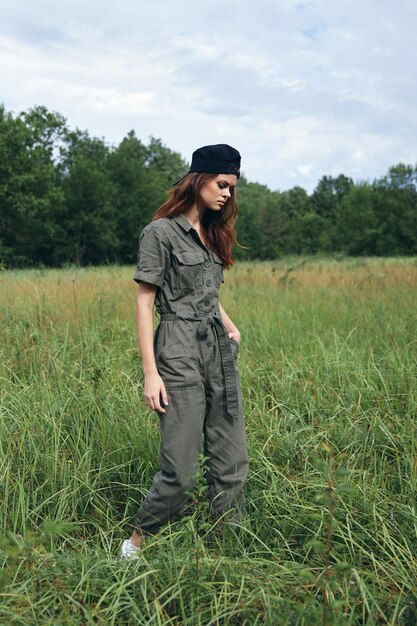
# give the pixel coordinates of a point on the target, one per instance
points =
(69, 198)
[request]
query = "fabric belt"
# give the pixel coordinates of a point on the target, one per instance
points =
(227, 358)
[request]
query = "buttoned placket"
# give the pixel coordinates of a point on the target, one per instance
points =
(208, 266)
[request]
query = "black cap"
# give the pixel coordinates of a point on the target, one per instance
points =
(217, 159)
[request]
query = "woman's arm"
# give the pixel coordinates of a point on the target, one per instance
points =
(154, 386)
(231, 328)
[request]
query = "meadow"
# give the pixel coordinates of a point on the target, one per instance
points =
(328, 364)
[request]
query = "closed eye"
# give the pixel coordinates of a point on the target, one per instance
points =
(223, 186)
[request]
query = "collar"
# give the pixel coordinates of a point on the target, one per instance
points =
(187, 226)
(183, 222)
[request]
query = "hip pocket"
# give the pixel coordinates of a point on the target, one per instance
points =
(164, 337)
(235, 346)
(174, 340)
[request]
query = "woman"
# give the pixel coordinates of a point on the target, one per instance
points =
(191, 374)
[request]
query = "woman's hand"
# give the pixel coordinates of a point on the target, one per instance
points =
(155, 391)
(232, 330)
(235, 335)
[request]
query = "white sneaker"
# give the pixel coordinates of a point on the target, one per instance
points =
(129, 551)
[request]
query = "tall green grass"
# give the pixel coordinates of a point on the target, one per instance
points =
(328, 364)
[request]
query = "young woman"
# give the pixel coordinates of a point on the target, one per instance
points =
(190, 369)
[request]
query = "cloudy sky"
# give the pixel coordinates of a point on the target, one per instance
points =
(301, 88)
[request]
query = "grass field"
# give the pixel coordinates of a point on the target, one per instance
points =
(328, 363)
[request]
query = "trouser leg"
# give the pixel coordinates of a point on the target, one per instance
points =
(226, 449)
(181, 439)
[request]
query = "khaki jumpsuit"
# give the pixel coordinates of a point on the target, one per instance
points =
(198, 365)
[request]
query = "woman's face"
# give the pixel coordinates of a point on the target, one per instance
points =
(215, 193)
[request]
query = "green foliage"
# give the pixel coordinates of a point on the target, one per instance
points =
(67, 197)
(357, 223)
(89, 222)
(140, 175)
(30, 193)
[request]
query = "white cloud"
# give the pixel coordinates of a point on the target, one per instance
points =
(305, 170)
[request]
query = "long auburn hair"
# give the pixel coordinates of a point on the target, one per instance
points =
(218, 227)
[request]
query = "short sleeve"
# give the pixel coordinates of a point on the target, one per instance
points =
(153, 256)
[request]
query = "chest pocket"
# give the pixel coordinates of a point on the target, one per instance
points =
(189, 271)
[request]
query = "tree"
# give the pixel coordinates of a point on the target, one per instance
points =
(126, 168)
(324, 202)
(294, 206)
(357, 222)
(30, 192)
(90, 222)
(396, 210)
(140, 174)
(250, 227)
